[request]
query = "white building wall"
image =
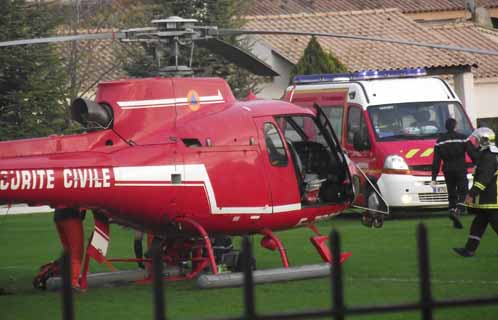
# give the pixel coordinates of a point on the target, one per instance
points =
(484, 101)
(276, 88)
(486, 98)
(464, 88)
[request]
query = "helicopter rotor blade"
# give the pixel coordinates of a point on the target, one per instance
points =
(235, 32)
(238, 56)
(77, 37)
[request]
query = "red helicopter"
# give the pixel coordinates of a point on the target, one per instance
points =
(182, 156)
(183, 160)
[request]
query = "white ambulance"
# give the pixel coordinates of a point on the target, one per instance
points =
(388, 123)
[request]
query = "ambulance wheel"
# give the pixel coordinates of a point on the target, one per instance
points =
(375, 219)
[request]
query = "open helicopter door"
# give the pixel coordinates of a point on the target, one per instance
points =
(336, 146)
(278, 165)
(320, 168)
(341, 164)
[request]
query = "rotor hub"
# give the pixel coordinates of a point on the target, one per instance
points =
(174, 23)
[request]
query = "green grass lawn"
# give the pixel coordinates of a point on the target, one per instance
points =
(382, 270)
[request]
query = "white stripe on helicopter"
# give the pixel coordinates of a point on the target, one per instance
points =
(162, 103)
(160, 176)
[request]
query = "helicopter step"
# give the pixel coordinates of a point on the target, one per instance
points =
(224, 280)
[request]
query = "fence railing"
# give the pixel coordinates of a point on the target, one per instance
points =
(338, 311)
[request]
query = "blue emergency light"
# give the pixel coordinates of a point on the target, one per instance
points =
(360, 75)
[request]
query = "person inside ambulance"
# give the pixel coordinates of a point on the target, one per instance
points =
(387, 123)
(423, 122)
(482, 198)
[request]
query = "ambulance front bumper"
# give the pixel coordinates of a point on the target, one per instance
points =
(414, 191)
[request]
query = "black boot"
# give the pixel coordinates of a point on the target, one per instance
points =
(454, 216)
(464, 252)
(137, 246)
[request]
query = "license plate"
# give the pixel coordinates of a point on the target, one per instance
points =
(441, 189)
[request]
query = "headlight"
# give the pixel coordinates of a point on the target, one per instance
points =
(395, 162)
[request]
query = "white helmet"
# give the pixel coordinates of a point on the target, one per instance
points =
(485, 138)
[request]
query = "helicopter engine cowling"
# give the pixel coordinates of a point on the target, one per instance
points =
(87, 112)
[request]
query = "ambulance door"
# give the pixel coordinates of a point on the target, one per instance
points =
(335, 115)
(357, 141)
(279, 166)
(332, 101)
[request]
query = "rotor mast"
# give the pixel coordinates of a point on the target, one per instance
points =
(167, 35)
(176, 31)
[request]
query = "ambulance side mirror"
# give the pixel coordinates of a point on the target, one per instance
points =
(361, 141)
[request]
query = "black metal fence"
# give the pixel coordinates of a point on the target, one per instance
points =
(338, 311)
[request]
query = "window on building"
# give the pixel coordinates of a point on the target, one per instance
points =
(494, 21)
(491, 123)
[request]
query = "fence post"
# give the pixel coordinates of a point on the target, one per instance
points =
(157, 278)
(249, 307)
(336, 278)
(424, 273)
(67, 290)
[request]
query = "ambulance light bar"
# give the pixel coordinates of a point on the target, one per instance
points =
(360, 75)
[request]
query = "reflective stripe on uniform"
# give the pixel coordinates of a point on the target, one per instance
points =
(479, 185)
(474, 237)
(484, 206)
(451, 141)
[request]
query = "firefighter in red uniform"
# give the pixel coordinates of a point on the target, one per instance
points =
(482, 197)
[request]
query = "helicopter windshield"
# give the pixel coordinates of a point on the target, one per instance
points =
(418, 120)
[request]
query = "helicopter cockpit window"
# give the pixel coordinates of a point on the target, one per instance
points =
(275, 146)
(316, 160)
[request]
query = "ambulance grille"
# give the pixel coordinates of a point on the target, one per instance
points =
(438, 182)
(421, 168)
(433, 197)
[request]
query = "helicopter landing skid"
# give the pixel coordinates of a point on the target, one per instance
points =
(271, 242)
(236, 279)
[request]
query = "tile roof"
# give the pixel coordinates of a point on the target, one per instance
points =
(359, 54)
(273, 7)
(95, 61)
(471, 36)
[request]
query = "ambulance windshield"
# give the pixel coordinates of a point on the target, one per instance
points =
(416, 120)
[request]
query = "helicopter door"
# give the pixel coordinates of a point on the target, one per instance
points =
(333, 141)
(279, 166)
(323, 173)
(332, 137)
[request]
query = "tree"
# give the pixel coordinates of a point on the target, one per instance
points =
(315, 61)
(89, 62)
(32, 98)
(221, 13)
